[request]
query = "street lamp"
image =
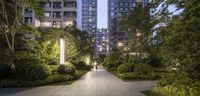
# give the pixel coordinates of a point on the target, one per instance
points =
(62, 51)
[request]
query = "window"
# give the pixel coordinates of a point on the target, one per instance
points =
(57, 14)
(46, 4)
(28, 19)
(70, 4)
(57, 5)
(69, 14)
(47, 14)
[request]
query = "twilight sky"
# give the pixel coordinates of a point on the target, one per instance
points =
(102, 14)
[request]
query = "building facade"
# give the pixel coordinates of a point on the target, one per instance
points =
(116, 9)
(102, 42)
(87, 16)
(87, 20)
(57, 13)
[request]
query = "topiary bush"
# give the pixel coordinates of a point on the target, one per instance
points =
(125, 68)
(32, 69)
(144, 69)
(67, 68)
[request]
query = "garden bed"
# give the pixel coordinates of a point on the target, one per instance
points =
(57, 79)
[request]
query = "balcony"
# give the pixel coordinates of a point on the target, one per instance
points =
(57, 5)
(46, 5)
(70, 15)
(57, 15)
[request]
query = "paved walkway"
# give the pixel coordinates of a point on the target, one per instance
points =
(94, 83)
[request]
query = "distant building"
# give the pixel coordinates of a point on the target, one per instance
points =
(102, 42)
(87, 16)
(57, 13)
(117, 8)
(87, 19)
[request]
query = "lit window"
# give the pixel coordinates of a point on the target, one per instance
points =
(47, 14)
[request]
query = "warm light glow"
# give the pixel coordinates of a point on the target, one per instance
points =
(120, 44)
(88, 60)
(62, 51)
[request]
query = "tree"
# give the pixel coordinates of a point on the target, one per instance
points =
(11, 21)
(181, 44)
(137, 24)
(82, 41)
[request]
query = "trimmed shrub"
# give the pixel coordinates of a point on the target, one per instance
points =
(4, 71)
(67, 68)
(144, 70)
(82, 65)
(112, 61)
(125, 68)
(32, 69)
(23, 83)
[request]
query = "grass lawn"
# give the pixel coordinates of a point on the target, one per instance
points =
(80, 73)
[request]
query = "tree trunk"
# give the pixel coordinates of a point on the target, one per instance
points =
(12, 61)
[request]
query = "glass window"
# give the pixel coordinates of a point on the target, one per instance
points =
(47, 14)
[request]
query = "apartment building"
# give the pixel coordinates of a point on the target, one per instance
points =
(116, 9)
(87, 16)
(102, 42)
(57, 13)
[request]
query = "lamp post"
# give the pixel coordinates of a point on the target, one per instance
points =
(62, 51)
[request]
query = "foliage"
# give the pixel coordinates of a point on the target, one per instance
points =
(54, 69)
(11, 22)
(4, 71)
(144, 69)
(32, 69)
(125, 68)
(82, 41)
(138, 26)
(82, 65)
(112, 60)
(180, 45)
(23, 83)
(135, 71)
(134, 76)
(67, 68)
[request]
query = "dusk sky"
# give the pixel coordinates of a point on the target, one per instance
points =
(102, 14)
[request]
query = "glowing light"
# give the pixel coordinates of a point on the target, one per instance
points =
(120, 44)
(62, 51)
(88, 60)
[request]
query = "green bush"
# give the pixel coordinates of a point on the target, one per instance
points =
(125, 68)
(82, 65)
(112, 61)
(179, 85)
(54, 69)
(144, 70)
(32, 69)
(23, 83)
(67, 68)
(4, 71)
